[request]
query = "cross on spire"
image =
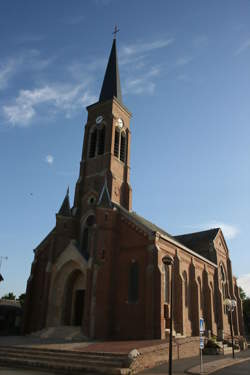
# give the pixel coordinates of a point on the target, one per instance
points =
(116, 30)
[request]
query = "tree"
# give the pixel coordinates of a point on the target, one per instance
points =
(21, 299)
(10, 296)
(243, 295)
(246, 310)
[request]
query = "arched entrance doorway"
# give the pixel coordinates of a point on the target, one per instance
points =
(67, 291)
(74, 299)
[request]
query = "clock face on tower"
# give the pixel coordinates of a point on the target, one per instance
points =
(120, 123)
(99, 119)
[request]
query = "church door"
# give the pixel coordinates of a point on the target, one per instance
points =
(79, 306)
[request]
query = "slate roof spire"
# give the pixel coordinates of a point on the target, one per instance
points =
(65, 207)
(111, 86)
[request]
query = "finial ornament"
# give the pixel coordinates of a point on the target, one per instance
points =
(116, 30)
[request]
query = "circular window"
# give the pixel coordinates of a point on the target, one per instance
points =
(91, 200)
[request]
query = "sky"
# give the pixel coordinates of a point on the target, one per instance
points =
(185, 76)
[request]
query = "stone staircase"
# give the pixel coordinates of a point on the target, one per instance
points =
(64, 361)
(227, 349)
(67, 333)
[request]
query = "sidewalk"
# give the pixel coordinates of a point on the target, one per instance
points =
(192, 365)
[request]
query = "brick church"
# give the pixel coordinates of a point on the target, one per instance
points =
(101, 266)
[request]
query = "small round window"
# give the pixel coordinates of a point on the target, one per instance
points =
(92, 200)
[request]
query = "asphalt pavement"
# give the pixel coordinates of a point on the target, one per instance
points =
(240, 369)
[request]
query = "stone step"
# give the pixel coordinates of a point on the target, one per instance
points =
(58, 359)
(68, 333)
(62, 353)
(72, 368)
(63, 360)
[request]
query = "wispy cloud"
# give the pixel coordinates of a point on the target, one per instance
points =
(49, 159)
(28, 38)
(7, 69)
(230, 231)
(183, 61)
(140, 48)
(28, 60)
(57, 97)
(244, 46)
(244, 282)
(142, 84)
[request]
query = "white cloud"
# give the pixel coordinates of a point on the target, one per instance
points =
(57, 97)
(141, 48)
(7, 69)
(244, 282)
(142, 84)
(229, 231)
(183, 61)
(244, 46)
(49, 159)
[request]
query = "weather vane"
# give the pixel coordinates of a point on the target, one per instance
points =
(115, 31)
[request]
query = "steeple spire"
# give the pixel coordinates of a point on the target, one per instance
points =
(65, 207)
(111, 84)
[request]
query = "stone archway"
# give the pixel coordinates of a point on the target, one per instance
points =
(74, 299)
(67, 295)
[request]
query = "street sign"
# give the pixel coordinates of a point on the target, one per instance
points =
(202, 325)
(201, 342)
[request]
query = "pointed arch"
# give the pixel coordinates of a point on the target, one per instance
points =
(85, 242)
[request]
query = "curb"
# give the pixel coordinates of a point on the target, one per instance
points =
(210, 367)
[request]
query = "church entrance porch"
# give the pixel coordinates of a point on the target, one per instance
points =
(67, 295)
(74, 299)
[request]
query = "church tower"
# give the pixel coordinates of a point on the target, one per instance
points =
(106, 146)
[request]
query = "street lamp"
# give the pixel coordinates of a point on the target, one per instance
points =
(168, 262)
(230, 306)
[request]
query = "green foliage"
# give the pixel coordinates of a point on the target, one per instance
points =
(243, 295)
(211, 343)
(21, 299)
(246, 315)
(10, 296)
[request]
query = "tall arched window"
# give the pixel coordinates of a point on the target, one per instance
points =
(185, 287)
(86, 236)
(117, 142)
(223, 285)
(123, 147)
(201, 295)
(97, 141)
(92, 144)
(133, 282)
(120, 145)
(101, 140)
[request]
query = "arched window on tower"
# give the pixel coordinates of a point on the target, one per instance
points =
(133, 282)
(123, 147)
(92, 143)
(101, 140)
(86, 236)
(117, 142)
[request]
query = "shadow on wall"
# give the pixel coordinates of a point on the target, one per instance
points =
(10, 317)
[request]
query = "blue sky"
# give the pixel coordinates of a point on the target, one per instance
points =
(185, 76)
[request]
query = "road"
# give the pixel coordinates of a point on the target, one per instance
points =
(241, 369)
(9, 371)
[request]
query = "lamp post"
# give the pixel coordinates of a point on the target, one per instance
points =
(168, 262)
(230, 305)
